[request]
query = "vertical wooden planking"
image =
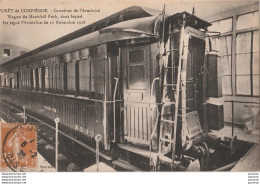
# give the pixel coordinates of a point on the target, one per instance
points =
(148, 122)
(74, 115)
(144, 124)
(84, 120)
(70, 116)
(81, 121)
(77, 118)
(125, 122)
(135, 122)
(66, 114)
(140, 122)
(87, 119)
(130, 121)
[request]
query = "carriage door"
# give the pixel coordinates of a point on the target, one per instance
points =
(136, 86)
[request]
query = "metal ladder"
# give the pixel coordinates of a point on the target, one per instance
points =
(173, 100)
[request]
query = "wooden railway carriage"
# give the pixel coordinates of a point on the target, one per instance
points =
(135, 78)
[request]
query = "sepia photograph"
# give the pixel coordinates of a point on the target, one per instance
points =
(129, 86)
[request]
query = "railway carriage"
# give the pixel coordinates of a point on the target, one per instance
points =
(136, 77)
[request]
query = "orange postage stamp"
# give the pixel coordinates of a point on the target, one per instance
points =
(18, 146)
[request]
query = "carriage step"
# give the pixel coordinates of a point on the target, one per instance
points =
(126, 165)
(167, 140)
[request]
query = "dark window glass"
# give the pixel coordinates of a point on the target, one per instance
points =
(61, 88)
(40, 77)
(84, 77)
(137, 76)
(50, 78)
(34, 79)
(136, 56)
(71, 77)
(29, 83)
(46, 78)
(7, 52)
(97, 76)
(25, 79)
(57, 76)
(54, 77)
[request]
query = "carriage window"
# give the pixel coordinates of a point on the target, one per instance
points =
(84, 77)
(61, 68)
(25, 79)
(40, 77)
(190, 66)
(22, 78)
(97, 76)
(17, 76)
(34, 79)
(57, 77)
(7, 52)
(2, 83)
(136, 56)
(71, 77)
(6, 82)
(54, 78)
(46, 78)
(136, 76)
(29, 78)
(12, 83)
(136, 69)
(50, 71)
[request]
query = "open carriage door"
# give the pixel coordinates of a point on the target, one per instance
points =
(136, 86)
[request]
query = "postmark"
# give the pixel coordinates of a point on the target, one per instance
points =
(19, 146)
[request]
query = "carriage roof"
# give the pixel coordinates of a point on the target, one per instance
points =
(133, 22)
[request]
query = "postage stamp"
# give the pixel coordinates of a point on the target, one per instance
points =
(18, 146)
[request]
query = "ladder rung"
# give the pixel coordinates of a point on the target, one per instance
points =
(166, 140)
(170, 84)
(194, 128)
(172, 50)
(187, 108)
(171, 67)
(167, 121)
(169, 103)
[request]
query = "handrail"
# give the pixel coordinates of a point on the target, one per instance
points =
(153, 132)
(114, 108)
(151, 92)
